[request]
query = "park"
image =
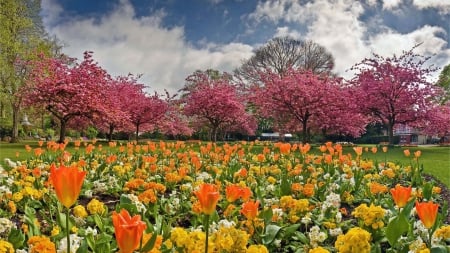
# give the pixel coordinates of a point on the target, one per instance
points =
(281, 155)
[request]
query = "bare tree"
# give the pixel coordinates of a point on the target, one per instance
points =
(282, 53)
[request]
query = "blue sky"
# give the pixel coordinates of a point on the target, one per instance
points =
(165, 41)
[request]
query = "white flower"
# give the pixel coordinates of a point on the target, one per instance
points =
(316, 236)
(306, 219)
(203, 176)
(270, 188)
(338, 217)
(91, 231)
(5, 225)
(226, 223)
(75, 242)
(335, 231)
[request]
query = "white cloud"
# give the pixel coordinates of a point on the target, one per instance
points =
(123, 43)
(286, 31)
(337, 28)
(391, 4)
(336, 25)
(275, 10)
(442, 5)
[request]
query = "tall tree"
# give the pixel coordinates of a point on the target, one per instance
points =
(395, 90)
(444, 83)
(216, 104)
(304, 102)
(146, 112)
(21, 35)
(117, 116)
(67, 89)
(283, 53)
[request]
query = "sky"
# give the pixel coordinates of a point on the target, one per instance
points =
(167, 40)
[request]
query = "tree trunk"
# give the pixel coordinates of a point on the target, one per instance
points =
(62, 131)
(16, 122)
(137, 133)
(390, 129)
(304, 131)
(214, 134)
(111, 130)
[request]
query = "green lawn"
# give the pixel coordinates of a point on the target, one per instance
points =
(435, 160)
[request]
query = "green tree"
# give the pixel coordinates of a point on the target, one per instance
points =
(444, 82)
(21, 36)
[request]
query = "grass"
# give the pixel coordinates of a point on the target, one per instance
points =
(435, 160)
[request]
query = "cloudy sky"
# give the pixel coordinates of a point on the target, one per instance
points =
(166, 40)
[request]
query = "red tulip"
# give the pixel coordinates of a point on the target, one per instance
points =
(427, 212)
(128, 230)
(208, 196)
(401, 195)
(67, 182)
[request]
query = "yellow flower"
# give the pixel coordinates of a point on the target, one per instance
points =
(96, 207)
(55, 231)
(6, 247)
(371, 216)
(257, 249)
(79, 211)
(17, 196)
(318, 250)
(443, 232)
(355, 240)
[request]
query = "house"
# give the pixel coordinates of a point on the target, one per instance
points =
(409, 135)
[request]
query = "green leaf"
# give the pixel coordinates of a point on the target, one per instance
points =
(271, 233)
(290, 230)
(125, 200)
(16, 238)
(266, 215)
(83, 247)
(398, 226)
(99, 222)
(285, 188)
(104, 239)
(439, 249)
(427, 190)
(90, 241)
(150, 243)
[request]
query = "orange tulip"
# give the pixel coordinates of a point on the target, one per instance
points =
(233, 192)
(374, 150)
(128, 230)
(427, 212)
(417, 154)
(208, 196)
(406, 152)
(67, 182)
(358, 150)
(250, 209)
(401, 195)
(385, 149)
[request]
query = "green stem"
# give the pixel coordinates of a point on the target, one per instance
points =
(206, 231)
(68, 230)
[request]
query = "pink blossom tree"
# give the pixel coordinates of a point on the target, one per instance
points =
(301, 101)
(395, 90)
(215, 103)
(117, 117)
(146, 111)
(67, 89)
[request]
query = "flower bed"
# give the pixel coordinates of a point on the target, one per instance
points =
(245, 197)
